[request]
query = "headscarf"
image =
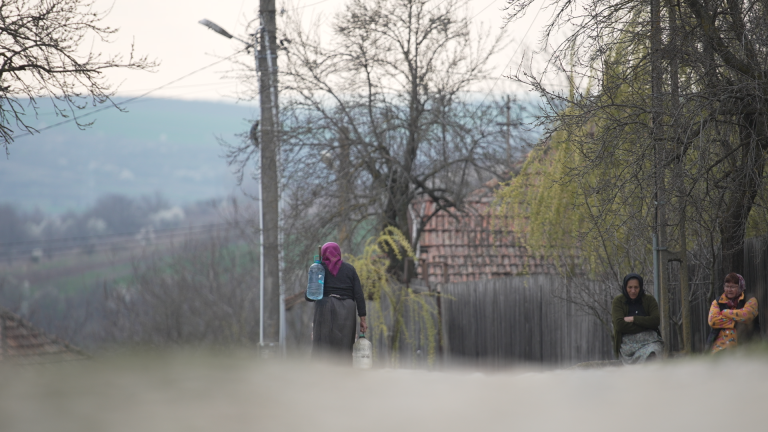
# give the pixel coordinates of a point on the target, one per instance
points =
(330, 253)
(627, 278)
(742, 284)
(733, 304)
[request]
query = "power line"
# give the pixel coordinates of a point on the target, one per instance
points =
(105, 236)
(209, 85)
(437, 6)
(483, 10)
(309, 5)
(323, 1)
(76, 118)
(153, 236)
(217, 83)
(512, 57)
(238, 12)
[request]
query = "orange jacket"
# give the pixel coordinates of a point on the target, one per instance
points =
(726, 321)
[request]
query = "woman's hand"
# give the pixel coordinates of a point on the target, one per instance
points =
(363, 325)
(629, 319)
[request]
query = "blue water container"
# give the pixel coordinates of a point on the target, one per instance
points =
(316, 280)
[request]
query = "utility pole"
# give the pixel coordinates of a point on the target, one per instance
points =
(271, 296)
(266, 60)
(674, 80)
(657, 135)
(508, 125)
(345, 176)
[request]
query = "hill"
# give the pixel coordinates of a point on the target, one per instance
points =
(158, 146)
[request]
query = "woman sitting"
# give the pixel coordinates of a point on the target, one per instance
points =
(732, 317)
(333, 330)
(635, 315)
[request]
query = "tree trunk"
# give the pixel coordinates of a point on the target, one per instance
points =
(733, 228)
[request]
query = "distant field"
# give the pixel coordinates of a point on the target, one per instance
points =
(71, 270)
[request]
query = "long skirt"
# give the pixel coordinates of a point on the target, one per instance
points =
(333, 329)
(636, 348)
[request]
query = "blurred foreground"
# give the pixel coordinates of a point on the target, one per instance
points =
(193, 391)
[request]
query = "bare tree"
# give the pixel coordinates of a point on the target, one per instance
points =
(201, 293)
(381, 114)
(42, 45)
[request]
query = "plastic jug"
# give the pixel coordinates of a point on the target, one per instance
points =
(362, 353)
(316, 280)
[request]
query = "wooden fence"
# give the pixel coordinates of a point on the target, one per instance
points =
(517, 319)
(755, 276)
(404, 328)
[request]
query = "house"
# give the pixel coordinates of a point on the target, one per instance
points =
(472, 244)
(21, 342)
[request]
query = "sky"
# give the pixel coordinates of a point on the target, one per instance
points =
(168, 31)
(168, 141)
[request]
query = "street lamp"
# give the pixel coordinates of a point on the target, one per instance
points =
(270, 292)
(213, 26)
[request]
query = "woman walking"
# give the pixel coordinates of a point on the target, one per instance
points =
(733, 318)
(334, 322)
(635, 316)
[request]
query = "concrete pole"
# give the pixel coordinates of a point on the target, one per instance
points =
(254, 137)
(656, 288)
(658, 138)
(508, 108)
(679, 179)
(271, 295)
(266, 61)
(507, 126)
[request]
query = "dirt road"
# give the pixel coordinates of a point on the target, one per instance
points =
(197, 392)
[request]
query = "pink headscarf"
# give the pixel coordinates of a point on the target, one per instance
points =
(330, 253)
(742, 287)
(742, 284)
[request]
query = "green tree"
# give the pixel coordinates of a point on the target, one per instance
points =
(391, 302)
(705, 156)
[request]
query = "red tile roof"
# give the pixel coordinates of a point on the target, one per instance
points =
(473, 245)
(21, 342)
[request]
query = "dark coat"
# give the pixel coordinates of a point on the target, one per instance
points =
(345, 284)
(620, 309)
